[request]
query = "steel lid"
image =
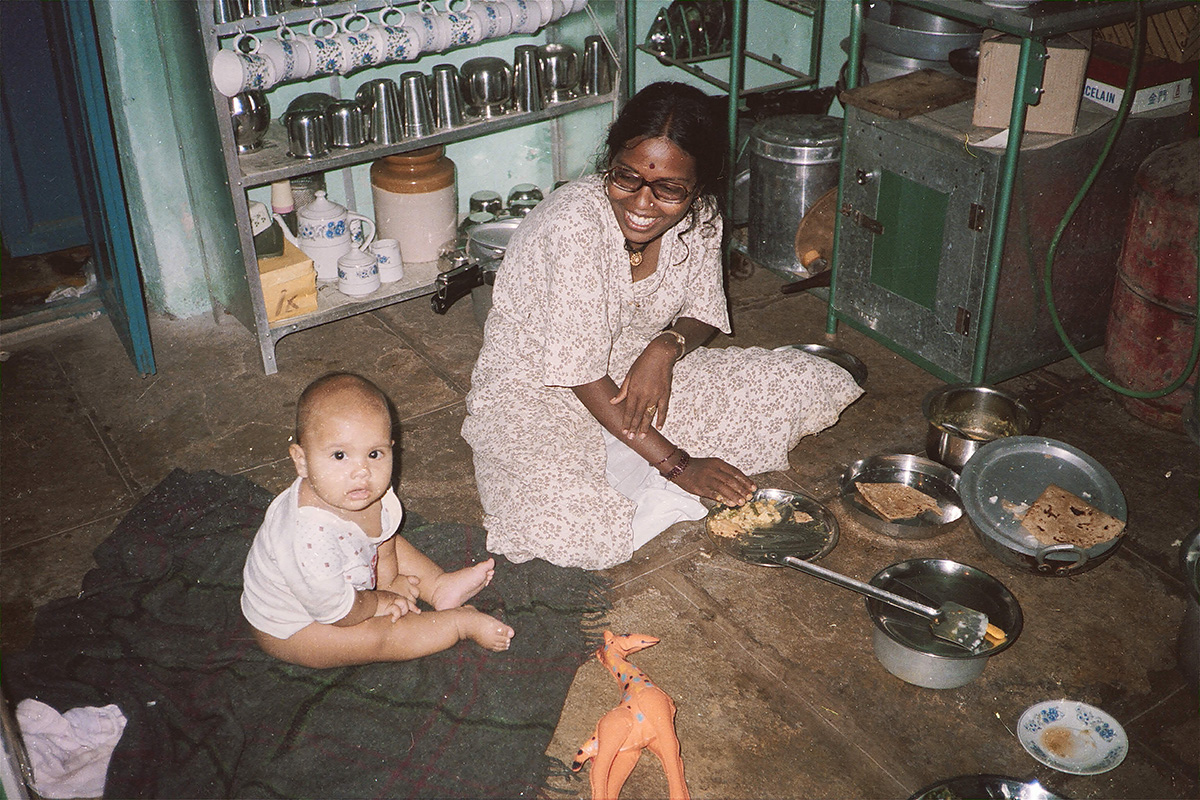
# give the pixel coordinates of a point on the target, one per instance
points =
(1005, 476)
(798, 138)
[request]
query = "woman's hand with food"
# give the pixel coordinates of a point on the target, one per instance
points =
(712, 478)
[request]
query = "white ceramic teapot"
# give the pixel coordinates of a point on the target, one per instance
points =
(323, 233)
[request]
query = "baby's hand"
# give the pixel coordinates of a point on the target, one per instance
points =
(407, 586)
(395, 606)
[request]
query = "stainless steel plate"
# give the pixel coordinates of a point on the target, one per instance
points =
(846, 360)
(936, 480)
(1006, 476)
(808, 540)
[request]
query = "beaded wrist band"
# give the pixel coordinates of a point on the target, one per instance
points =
(682, 342)
(680, 465)
(665, 458)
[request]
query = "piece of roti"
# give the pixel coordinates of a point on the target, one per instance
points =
(1059, 517)
(893, 501)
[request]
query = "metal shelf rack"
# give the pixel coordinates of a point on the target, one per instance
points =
(272, 163)
(735, 86)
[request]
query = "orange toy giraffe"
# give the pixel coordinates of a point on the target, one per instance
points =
(644, 719)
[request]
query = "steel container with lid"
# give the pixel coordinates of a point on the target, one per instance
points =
(793, 161)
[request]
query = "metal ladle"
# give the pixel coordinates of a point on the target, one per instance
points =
(950, 427)
(950, 621)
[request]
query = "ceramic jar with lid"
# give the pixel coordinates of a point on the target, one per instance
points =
(416, 202)
(357, 272)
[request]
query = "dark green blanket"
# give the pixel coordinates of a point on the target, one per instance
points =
(158, 630)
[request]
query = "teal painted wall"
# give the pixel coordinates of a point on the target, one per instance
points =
(169, 143)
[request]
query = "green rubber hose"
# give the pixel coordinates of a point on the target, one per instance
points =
(1139, 40)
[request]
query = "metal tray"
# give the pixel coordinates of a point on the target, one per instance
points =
(1006, 476)
(805, 540)
(936, 480)
(844, 359)
(987, 786)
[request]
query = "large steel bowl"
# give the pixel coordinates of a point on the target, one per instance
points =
(905, 644)
(963, 418)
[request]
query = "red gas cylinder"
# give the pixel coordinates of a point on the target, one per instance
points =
(1153, 314)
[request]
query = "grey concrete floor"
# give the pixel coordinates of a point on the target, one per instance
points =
(779, 693)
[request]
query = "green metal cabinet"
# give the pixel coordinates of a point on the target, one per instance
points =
(1034, 25)
(918, 226)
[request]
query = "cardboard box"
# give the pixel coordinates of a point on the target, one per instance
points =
(289, 283)
(1173, 35)
(1062, 82)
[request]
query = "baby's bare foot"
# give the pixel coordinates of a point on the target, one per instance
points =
(455, 588)
(487, 632)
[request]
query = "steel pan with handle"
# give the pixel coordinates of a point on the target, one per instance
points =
(486, 244)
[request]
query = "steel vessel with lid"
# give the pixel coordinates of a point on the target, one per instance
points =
(793, 161)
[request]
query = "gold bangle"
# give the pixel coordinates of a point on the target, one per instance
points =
(680, 340)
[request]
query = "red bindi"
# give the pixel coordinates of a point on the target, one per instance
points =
(651, 165)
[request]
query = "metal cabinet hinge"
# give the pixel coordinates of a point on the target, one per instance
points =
(962, 321)
(862, 220)
(976, 217)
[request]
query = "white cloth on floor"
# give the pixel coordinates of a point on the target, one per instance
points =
(69, 753)
(660, 503)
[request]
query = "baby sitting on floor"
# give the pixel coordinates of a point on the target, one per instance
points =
(327, 581)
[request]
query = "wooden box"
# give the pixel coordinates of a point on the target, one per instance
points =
(289, 283)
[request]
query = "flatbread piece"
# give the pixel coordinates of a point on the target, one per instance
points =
(1059, 517)
(893, 501)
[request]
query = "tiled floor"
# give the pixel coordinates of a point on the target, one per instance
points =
(778, 691)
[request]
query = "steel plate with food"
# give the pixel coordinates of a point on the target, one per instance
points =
(902, 496)
(777, 523)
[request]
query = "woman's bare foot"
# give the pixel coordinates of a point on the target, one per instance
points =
(455, 588)
(487, 632)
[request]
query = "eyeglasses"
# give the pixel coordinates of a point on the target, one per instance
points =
(665, 191)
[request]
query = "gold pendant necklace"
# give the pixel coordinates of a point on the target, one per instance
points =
(635, 256)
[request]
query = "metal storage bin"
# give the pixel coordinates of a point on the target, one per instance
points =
(793, 161)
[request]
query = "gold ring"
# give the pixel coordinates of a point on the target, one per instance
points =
(651, 409)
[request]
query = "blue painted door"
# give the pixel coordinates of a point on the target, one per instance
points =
(106, 216)
(39, 196)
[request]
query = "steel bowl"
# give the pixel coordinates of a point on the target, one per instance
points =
(486, 84)
(905, 644)
(963, 418)
(847, 361)
(251, 114)
(987, 786)
(934, 479)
